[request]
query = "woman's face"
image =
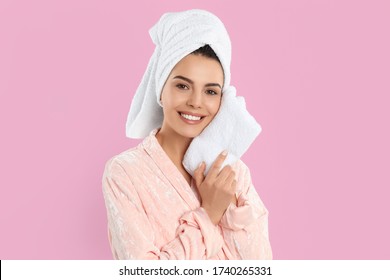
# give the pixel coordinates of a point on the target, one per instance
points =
(191, 95)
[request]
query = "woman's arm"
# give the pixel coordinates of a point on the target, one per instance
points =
(131, 235)
(245, 225)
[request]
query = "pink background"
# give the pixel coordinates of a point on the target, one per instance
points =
(315, 75)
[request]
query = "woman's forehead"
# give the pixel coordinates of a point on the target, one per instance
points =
(198, 68)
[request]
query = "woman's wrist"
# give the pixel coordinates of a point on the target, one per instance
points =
(213, 218)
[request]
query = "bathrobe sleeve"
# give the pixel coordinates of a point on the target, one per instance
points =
(131, 234)
(246, 224)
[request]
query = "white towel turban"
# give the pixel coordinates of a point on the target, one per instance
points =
(175, 36)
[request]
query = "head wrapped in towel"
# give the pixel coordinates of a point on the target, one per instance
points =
(175, 35)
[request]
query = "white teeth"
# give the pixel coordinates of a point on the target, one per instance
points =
(189, 117)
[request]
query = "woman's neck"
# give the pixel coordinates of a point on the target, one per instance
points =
(173, 144)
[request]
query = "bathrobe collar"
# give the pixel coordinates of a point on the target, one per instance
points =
(188, 192)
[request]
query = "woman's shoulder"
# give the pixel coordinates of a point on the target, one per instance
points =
(125, 159)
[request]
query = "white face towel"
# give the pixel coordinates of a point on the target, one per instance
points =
(175, 36)
(232, 129)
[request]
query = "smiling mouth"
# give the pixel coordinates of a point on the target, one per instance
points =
(190, 117)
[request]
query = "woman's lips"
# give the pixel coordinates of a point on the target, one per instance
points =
(191, 118)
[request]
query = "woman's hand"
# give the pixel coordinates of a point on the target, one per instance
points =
(218, 189)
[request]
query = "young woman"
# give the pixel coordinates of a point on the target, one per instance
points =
(156, 209)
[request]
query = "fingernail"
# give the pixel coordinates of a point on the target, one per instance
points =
(200, 165)
(225, 152)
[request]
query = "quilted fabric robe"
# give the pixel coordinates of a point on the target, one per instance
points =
(153, 213)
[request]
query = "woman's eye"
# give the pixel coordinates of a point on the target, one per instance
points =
(181, 86)
(211, 92)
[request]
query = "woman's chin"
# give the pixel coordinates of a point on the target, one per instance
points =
(189, 132)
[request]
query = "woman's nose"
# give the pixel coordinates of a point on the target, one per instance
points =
(195, 99)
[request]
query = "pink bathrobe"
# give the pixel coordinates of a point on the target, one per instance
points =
(154, 214)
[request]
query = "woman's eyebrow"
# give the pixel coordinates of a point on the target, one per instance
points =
(191, 82)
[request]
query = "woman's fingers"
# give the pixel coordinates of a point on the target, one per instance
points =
(214, 169)
(199, 174)
(224, 174)
(217, 189)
